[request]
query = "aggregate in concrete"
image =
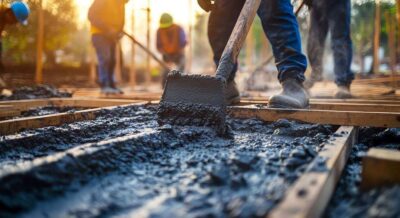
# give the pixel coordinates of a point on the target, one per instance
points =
(35, 92)
(349, 200)
(125, 164)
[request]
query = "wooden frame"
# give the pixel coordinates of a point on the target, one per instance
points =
(333, 117)
(24, 105)
(16, 125)
(341, 106)
(381, 167)
(309, 196)
(350, 118)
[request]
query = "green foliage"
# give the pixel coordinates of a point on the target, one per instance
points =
(363, 18)
(59, 23)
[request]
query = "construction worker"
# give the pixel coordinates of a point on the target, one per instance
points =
(171, 43)
(107, 18)
(331, 16)
(17, 12)
(280, 26)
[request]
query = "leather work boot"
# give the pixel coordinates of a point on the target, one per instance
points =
(343, 92)
(232, 94)
(293, 95)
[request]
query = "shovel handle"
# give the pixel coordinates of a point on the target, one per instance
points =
(235, 43)
(147, 50)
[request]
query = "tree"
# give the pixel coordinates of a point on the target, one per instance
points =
(60, 24)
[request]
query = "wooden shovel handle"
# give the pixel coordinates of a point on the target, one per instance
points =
(147, 50)
(235, 43)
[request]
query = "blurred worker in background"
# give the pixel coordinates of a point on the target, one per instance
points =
(331, 16)
(107, 18)
(280, 26)
(17, 12)
(171, 43)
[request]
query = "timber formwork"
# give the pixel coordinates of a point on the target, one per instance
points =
(309, 196)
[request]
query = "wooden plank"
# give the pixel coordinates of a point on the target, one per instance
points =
(381, 167)
(24, 105)
(339, 106)
(16, 125)
(321, 100)
(351, 118)
(9, 113)
(311, 193)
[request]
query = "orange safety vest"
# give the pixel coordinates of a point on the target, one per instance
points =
(170, 39)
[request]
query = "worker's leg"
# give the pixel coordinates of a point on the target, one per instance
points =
(112, 64)
(220, 25)
(316, 40)
(103, 51)
(281, 28)
(180, 62)
(339, 23)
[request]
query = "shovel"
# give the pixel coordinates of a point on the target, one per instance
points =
(199, 100)
(147, 50)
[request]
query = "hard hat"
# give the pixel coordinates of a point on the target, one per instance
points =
(21, 11)
(166, 20)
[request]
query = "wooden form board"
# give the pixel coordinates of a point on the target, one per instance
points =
(348, 118)
(381, 167)
(341, 106)
(13, 126)
(333, 117)
(311, 193)
(8, 111)
(24, 105)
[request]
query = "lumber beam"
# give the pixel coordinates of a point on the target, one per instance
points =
(331, 100)
(13, 126)
(339, 106)
(24, 105)
(311, 193)
(381, 167)
(350, 118)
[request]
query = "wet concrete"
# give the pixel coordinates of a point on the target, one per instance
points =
(348, 199)
(125, 164)
(41, 111)
(187, 99)
(35, 92)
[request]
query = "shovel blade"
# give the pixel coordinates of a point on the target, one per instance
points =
(193, 100)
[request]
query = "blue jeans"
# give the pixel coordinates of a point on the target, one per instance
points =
(333, 16)
(280, 26)
(105, 50)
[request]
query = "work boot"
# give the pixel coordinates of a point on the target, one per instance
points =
(107, 90)
(117, 91)
(232, 94)
(343, 92)
(293, 95)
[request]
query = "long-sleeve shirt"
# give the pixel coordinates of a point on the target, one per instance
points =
(107, 16)
(171, 40)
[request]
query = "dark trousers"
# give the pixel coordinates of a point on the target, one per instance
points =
(280, 26)
(177, 59)
(331, 16)
(105, 50)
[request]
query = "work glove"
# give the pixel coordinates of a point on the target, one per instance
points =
(309, 3)
(206, 5)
